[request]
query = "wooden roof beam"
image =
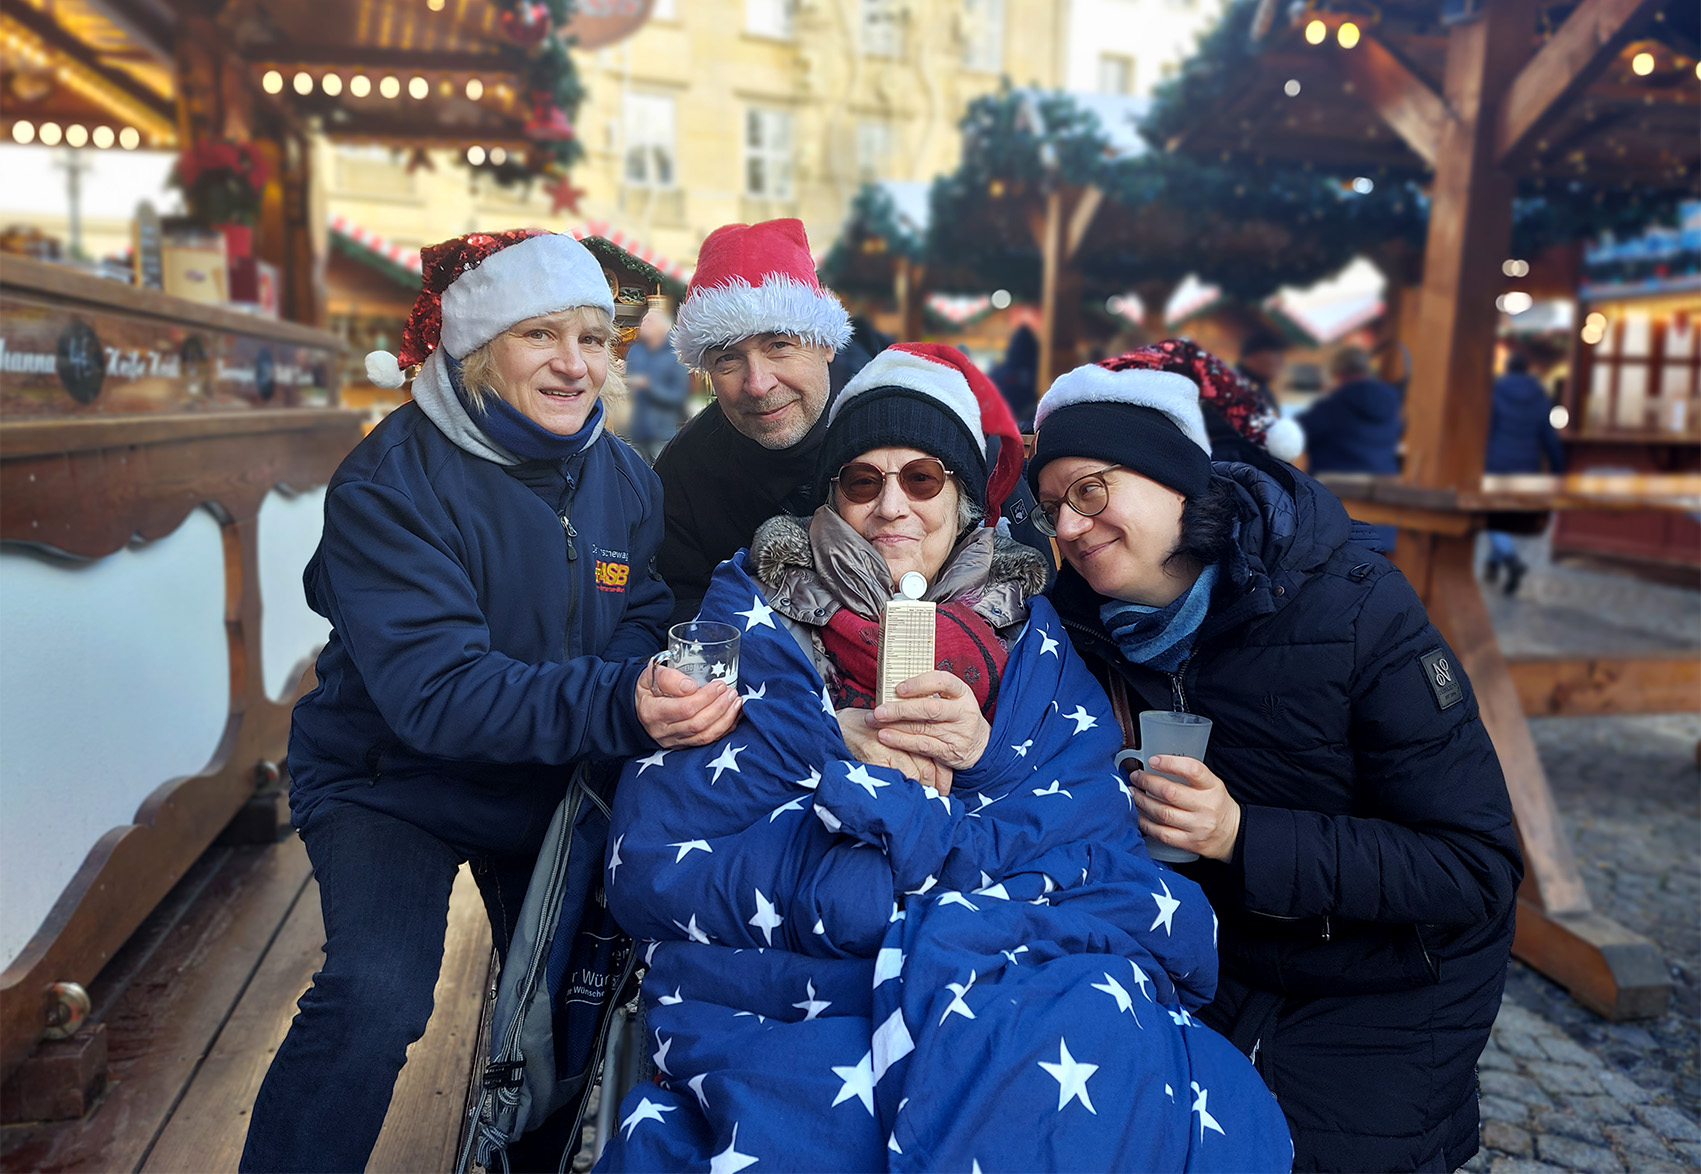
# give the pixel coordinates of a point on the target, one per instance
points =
(45, 29)
(1406, 102)
(1585, 45)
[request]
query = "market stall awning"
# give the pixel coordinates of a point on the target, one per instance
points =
(366, 246)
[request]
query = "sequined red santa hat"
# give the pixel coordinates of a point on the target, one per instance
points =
(756, 279)
(1249, 409)
(476, 286)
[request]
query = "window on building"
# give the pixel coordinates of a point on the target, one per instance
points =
(1116, 74)
(767, 154)
(874, 143)
(882, 29)
(665, 10)
(649, 140)
(769, 18)
(983, 28)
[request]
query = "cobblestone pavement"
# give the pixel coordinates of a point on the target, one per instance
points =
(1563, 1089)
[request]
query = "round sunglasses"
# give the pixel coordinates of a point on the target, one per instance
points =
(920, 479)
(1087, 495)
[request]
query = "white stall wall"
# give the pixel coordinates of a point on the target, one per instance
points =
(114, 678)
(289, 629)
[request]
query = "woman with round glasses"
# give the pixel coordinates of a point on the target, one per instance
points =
(1352, 825)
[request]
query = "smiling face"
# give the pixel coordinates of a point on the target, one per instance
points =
(551, 368)
(772, 387)
(1120, 551)
(910, 535)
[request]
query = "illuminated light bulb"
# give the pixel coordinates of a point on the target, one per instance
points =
(359, 85)
(1592, 335)
(303, 82)
(331, 84)
(1291, 87)
(418, 88)
(435, 5)
(1559, 417)
(51, 134)
(1347, 35)
(1596, 321)
(475, 89)
(129, 138)
(103, 137)
(475, 156)
(76, 135)
(1316, 32)
(1515, 302)
(1364, 185)
(1642, 64)
(1000, 299)
(389, 87)
(272, 82)
(23, 132)
(498, 155)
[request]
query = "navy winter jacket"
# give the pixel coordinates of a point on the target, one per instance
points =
(1366, 915)
(488, 626)
(1355, 429)
(1520, 433)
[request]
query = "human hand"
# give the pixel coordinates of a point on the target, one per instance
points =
(935, 715)
(865, 745)
(1198, 815)
(677, 711)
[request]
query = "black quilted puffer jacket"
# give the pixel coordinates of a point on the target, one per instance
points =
(1366, 916)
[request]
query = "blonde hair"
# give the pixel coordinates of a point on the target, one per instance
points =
(479, 374)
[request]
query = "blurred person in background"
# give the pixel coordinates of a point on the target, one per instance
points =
(1520, 437)
(659, 385)
(1017, 374)
(1356, 427)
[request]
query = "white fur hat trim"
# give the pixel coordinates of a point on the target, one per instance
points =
(896, 367)
(738, 310)
(540, 275)
(1176, 396)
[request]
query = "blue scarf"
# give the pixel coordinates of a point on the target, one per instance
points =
(1160, 637)
(510, 428)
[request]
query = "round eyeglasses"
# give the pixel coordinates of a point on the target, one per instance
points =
(1087, 495)
(920, 479)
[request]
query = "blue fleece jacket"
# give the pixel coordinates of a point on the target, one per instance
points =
(489, 619)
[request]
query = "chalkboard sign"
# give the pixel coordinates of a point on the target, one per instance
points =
(150, 270)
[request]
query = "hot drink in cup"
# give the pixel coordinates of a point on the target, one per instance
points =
(1184, 735)
(704, 650)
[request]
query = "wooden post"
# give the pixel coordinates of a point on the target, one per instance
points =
(908, 281)
(1051, 261)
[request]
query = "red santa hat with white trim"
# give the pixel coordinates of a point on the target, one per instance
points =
(756, 279)
(476, 286)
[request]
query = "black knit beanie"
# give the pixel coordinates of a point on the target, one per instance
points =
(900, 417)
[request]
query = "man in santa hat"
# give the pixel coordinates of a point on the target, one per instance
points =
(777, 347)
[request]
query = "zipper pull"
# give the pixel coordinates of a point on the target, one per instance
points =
(1325, 927)
(572, 550)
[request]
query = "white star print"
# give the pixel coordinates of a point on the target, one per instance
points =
(1206, 1121)
(1140, 979)
(892, 1043)
(671, 1000)
(1170, 1092)
(1071, 1076)
(925, 885)
(860, 776)
(794, 805)
(958, 990)
(691, 931)
(1182, 1018)
(828, 820)
(998, 890)
(656, 759)
(650, 953)
(1047, 644)
(767, 919)
(727, 761)
(813, 781)
(888, 964)
(695, 1084)
(686, 847)
(826, 701)
(1011, 954)
(647, 1110)
(1055, 789)
(934, 793)
(956, 898)
(811, 1006)
(859, 1082)
(749, 1014)
(819, 927)
(759, 615)
(986, 801)
(729, 1160)
(614, 860)
(1023, 748)
(1167, 905)
(660, 1058)
(1083, 720)
(1116, 991)
(759, 693)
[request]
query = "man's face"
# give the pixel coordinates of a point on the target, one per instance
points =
(772, 387)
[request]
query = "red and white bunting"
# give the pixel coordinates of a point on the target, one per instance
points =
(405, 258)
(632, 245)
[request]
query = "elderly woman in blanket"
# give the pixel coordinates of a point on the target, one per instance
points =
(921, 935)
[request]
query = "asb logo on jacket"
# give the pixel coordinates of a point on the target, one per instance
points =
(613, 569)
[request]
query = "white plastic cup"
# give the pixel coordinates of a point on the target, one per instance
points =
(1162, 731)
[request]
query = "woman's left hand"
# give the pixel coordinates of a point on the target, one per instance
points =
(935, 715)
(1198, 815)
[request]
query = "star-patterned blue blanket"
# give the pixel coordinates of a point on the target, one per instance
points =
(852, 972)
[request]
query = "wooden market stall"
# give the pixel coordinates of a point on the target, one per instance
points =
(1476, 94)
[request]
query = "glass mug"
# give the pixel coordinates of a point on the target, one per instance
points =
(703, 650)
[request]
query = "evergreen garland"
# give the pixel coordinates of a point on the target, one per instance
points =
(552, 81)
(859, 263)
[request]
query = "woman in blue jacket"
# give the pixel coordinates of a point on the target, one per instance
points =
(1353, 827)
(487, 565)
